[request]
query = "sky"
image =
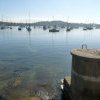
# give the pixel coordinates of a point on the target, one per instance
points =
(46, 10)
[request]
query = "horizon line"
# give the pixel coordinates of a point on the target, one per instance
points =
(47, 21)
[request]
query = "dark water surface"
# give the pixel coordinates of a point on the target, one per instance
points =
(33, 63)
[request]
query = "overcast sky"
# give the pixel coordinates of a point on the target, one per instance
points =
(66, 10)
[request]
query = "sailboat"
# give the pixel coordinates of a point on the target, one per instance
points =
(89, 27)
(54, 29)
(19, 28)
(44, 27)
(68, 27)
(29, 27)
(2, 26)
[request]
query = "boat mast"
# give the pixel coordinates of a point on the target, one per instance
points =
(29, 19)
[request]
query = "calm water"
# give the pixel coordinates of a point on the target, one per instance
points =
(33, 63)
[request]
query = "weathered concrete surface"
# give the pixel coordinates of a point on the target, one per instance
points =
(88, 53)
(67, 79)
(85, 75)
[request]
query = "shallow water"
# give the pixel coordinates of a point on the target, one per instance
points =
(33, 63)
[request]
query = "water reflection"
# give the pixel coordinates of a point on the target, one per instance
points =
(29, 33)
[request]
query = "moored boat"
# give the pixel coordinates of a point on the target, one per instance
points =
(29, 28)
(53, 30)
(19, 28)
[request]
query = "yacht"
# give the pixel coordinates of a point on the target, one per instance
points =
(28, 28)
(2, 27)
(44, 27)
(53, 30)
(19, 28)
(68, 29)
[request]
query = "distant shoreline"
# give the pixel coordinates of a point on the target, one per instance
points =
(49, 23)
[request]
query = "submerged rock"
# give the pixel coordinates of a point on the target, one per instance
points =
(2, 98)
